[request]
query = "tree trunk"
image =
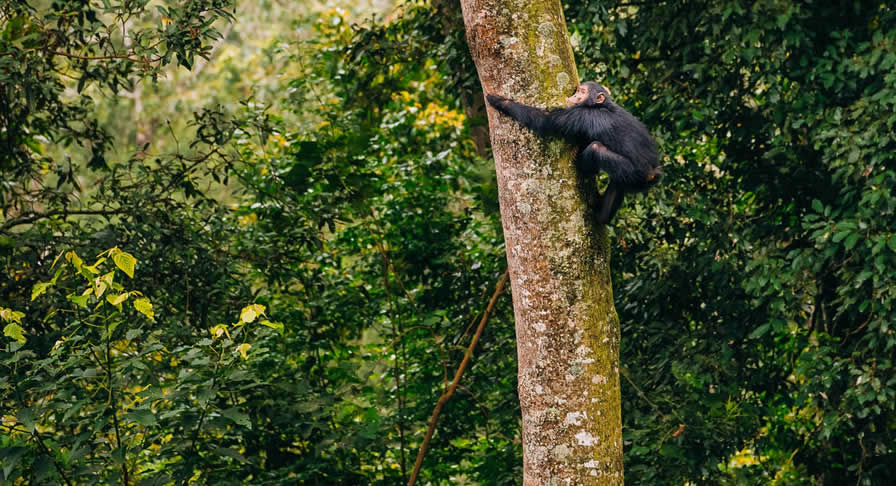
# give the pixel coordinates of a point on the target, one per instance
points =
(566, 327)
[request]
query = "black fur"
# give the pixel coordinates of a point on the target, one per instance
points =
(606, 137)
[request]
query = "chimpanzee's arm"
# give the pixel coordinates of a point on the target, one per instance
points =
(535, 119)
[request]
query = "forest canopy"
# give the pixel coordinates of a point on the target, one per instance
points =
(249, 243)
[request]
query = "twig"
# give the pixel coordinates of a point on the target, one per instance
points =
(113, 405)
(457, 375)
(397, 331)
(862, 459)
(435, 340)
(49, 453)
(624, 374)
(95, 58)
(388, 262)
(32, 216)
(202, 63)
(204, 411)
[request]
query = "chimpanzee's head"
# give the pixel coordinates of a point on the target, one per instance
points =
(589, 93)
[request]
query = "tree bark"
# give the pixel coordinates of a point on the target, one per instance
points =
(567, 329)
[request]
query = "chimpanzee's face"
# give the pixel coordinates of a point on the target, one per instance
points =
(579, 97)
(587, 94)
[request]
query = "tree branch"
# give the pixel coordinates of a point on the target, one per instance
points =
(457, 375)
(96, 58)
(32, 216)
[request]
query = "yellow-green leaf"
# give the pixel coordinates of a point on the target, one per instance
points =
(251, 312)
(112, 328)
(219, 330)
(14, 331)
(95, 268)
(278, 326)
(144, 306)
(39, 288)
(117, 299)
(125, 261)
(99, 288)
(10, 315)
(55, 260)
(74, 259)
(244, 349)
(80, 300)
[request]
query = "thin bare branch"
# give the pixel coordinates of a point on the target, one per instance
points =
(434, 419)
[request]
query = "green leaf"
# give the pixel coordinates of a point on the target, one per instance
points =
(817, 206)
(671, 450)
(228, 452)
(144, 306)
(759, 331)
(370, 430)
(840, 235)
(143, 417)
(124, 261)
(237, 417)
(43, 468)
(11, 457)
(39, 289)
(26, 418)
(112, 328)
(117, 456)
(14, 331)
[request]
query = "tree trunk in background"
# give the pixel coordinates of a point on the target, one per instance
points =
(566, 327)
(471, 99)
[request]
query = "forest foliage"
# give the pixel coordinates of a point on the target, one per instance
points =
(246, 244)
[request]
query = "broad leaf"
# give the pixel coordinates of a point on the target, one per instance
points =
(124, 261)
(144, 306)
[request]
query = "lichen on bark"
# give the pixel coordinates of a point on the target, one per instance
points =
(567, 328)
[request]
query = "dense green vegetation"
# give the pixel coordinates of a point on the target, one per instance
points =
(244, 244)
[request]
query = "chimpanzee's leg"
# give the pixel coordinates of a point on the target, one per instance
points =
(597, 157)
(609, 203)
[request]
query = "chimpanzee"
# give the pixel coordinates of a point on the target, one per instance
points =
(606, 137)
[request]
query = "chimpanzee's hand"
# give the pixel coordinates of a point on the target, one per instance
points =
(497, 101)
